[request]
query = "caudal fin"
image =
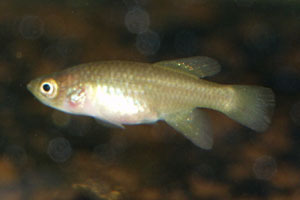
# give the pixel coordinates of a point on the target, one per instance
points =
(252, 106)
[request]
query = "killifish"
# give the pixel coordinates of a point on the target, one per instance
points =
(124, 92)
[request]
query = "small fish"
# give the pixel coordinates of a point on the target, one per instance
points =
(123, 92)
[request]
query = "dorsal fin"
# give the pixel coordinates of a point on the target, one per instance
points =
(199, 66)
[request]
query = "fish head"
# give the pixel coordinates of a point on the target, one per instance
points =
(63, 91)
(47, 90)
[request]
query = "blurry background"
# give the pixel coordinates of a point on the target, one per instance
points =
(46, 154)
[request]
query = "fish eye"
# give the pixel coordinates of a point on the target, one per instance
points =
(49, 88)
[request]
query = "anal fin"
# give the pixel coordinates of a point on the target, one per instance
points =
(193, 124)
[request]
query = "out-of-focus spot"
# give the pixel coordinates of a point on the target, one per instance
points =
(60, 119)
(19, 54)
(148, 43)
(59, 149)
(31, 27)
(137, 20)
(295, 113)
(264, 167)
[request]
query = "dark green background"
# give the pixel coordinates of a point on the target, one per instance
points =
(256, 42)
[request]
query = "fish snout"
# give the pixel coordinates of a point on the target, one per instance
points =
(30, 86)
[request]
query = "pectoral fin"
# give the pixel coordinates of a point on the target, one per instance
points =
(108, 124)
(194, 124)
(199, 66)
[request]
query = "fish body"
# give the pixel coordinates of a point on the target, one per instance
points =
(123, 92)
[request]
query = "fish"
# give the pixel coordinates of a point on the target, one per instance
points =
(175, 91)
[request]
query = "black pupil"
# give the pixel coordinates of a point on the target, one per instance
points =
(46, 87)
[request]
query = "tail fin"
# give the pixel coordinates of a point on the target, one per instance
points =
(253, 106)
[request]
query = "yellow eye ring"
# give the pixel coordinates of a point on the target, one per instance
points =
(49, 88)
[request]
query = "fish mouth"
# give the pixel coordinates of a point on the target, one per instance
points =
(29, 86)
(32, 85)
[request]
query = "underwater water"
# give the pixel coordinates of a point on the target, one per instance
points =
(48, 154)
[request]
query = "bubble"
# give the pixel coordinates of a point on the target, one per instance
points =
(137, 20)
(31, 27)
(59, 149)
(295, 113)
(16, 154)
(264, 167)
(148, 43)
(185, 43)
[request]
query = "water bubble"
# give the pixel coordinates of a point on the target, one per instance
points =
(31, 27)
(264, 167)
(137, 20)
(16, 154)
(148, 43)
(59, 149)
(186, 43)
(295, 113)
